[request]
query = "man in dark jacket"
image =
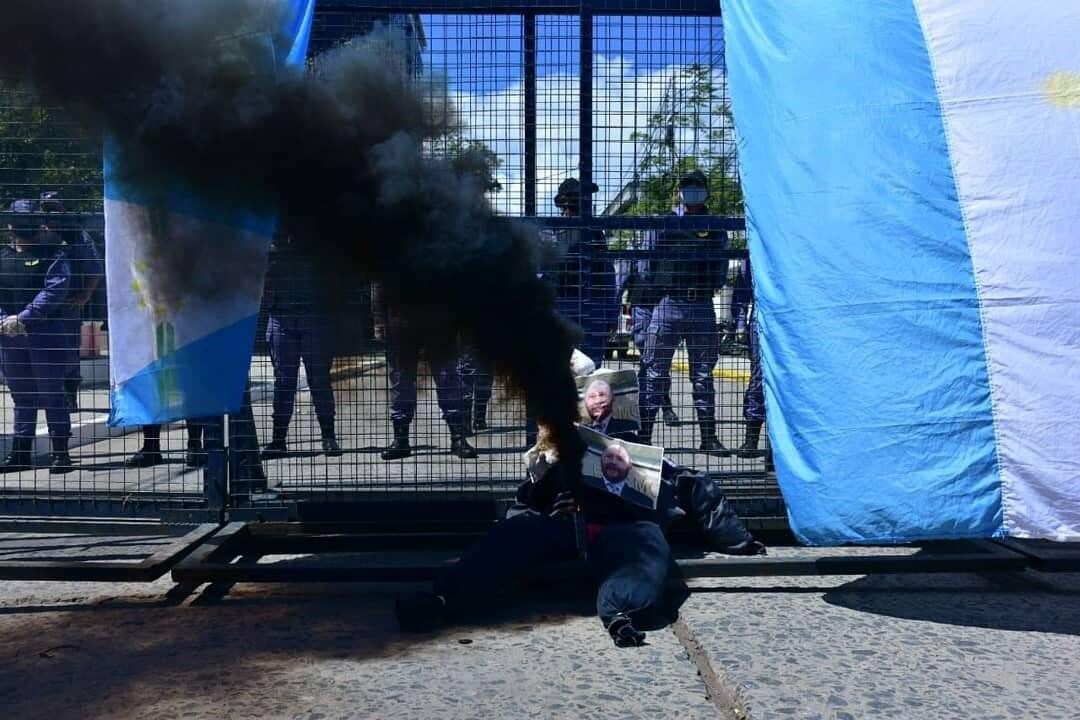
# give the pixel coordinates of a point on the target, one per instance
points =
(627, 554)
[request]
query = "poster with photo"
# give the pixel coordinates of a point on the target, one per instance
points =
(632, 469)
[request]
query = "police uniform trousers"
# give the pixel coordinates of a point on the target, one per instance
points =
(403, 357)
(34, 366)
(72, 369)
(673, 320)
(631, 562)
(754, 397)
(296, 338)
(477, 382)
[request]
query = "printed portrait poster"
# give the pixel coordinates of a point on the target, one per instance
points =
(643, 479)
(624, 389)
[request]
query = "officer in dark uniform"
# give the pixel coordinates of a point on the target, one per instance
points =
(299, 328)
(684, 287)
(584, 286)
(742, 306)
(35, 289)
(402, 360)
(87, 271)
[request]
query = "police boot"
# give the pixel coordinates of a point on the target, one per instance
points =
(399, 448)
(330, 446)
(196, 456)
(749, 448)
(479, 419)
(670, 418)
(459, 446)
(709, 443)
(276, 448)
(61, 461)
(148, 456)
(19, 458)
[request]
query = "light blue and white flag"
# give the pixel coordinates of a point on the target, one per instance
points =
(185, 276)
(912, 176)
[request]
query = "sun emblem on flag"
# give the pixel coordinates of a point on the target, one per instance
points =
(1063, 89)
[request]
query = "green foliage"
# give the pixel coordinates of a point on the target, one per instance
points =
(696, 114)
(43, 149)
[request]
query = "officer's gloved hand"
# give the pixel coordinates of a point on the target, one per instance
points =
(565, 504)
(11, 326)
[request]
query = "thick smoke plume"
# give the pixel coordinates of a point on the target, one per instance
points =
(339, 151)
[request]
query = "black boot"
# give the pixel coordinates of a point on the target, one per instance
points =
(330, 446)
(19, 458)
(749, 448)
(399, 448)
(276, 448)
(670, 418)
(148, 456)
(196, 456)
(479, 419)
(459, 446)
(61, 461)
(709, 443)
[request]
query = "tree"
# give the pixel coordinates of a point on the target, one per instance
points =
(692, 130)
(42, 148)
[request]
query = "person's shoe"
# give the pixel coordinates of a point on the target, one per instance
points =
(330, 447)
(61, 464)
(19, 458)
(709, 443)
(747, 547)
(624, 633)
(196, 456)
(749, 448)
(400, 447)
(145, 458)
(460, 447)
(479, 419)
(420, 612)
(670, 418)
(274, 450)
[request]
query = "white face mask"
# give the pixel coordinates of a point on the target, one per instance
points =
(693, 195)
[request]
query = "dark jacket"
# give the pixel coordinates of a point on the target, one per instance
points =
(619, 429)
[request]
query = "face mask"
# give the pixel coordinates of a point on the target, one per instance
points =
(693, 195)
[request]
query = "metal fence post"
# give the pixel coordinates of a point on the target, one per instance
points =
(529, 47)
(215, 476)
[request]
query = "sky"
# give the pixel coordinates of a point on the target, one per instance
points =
(637, 61)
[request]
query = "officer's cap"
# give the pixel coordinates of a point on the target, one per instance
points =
(23, 206)
(694, 178)
(570, 192)
(30, 216)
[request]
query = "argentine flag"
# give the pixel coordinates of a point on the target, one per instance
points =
(185, 277)
(912, 177)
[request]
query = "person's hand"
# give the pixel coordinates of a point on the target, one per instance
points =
(11, 326)
(565, 504)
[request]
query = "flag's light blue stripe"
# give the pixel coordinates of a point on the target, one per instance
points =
(298, 31)
(211, 374)
(876, 378)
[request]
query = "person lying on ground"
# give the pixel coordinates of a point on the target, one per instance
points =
(709, 515)
(628, 557)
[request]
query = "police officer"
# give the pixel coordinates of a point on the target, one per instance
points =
(35, 289)
(87, 270)
(584, 287)
(299, 328)
(684, 289)
(402, 359)
(742, 306)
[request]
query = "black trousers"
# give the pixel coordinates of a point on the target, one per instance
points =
(631, 562)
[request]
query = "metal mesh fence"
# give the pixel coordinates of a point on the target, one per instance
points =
(657, 279)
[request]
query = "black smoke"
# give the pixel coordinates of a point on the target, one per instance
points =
(342, 151)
